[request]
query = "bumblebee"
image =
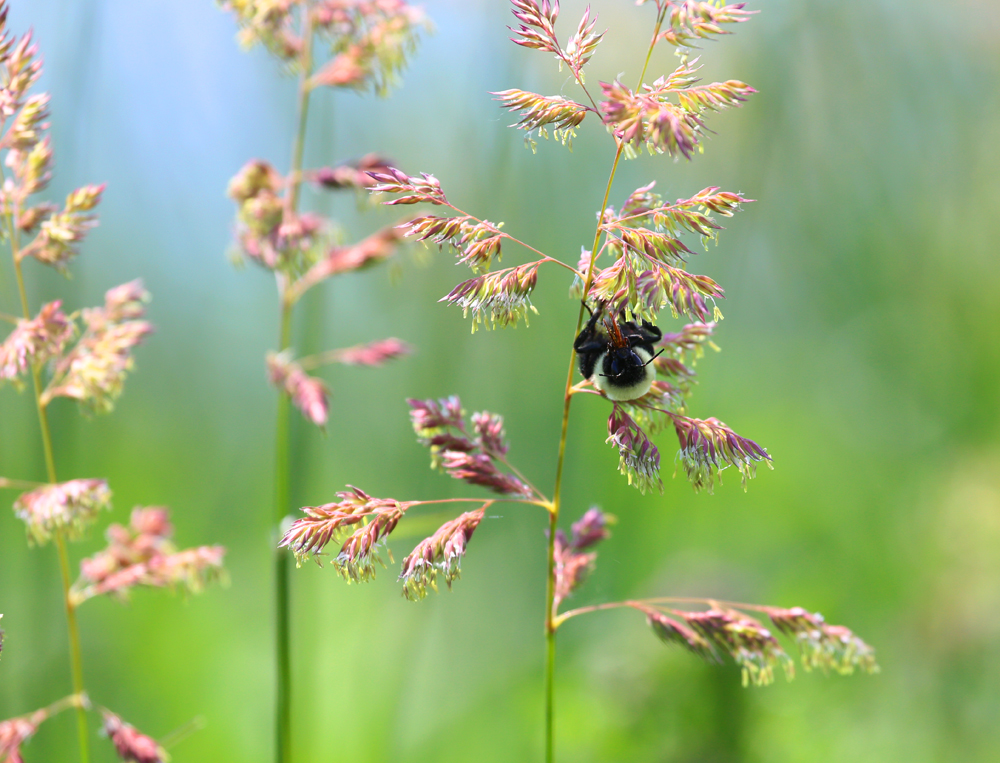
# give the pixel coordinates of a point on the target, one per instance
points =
(616, 355)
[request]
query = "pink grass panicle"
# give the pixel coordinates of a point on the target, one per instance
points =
(142, 554)
(690, 20)
(708, 447)
(572, 561)
(363, 520)
(537, 30)
(131, 745)
(267, 231)
(354, 175)
(35, 342)
(15, 732)
(309, 393)
(93, 372)
(373, 354)
(440, 426)
(370, 42)
(649, 118)
(722, 630)
(68, 507)
(63, 231)
(370, 250)
(23, 69)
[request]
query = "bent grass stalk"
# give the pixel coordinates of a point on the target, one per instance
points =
(648, 274)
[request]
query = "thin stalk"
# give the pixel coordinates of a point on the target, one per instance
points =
(298, 147)
(181, 733)
(75, 654)
(550, 589)
(282, 466)
(282, 501)
(543, 255)
(593, 608)
(550, 629)
(20, 484)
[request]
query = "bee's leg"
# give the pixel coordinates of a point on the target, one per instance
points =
(654, 357)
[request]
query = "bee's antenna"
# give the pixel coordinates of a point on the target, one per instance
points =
(654, 357)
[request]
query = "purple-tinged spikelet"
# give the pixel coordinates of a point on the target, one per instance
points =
(656, 246)
(22, 72)
(639, 119)
(672, 631)
(541, 112)
(490, 434)
(70, 507)
(591, 529)
(131, 745)
(309, 536)
(61, 234)
(440, 426)
(426, 188)
(708, 446)
(479, 469)
(497, 299)
(827, 647)
(688, 344)
(750, 644)
(478, 242)
(691, 20)
(537, 28)
(371, 42)
(583, 44)
(723, 631)
(32, 169)
(570, 568)
(442, 553)
(647, 117)
(431, 416)
(639, 460)
(29, 124)
(572, 564)
(310, 394)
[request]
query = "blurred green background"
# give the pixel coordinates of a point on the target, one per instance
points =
(861, 346)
